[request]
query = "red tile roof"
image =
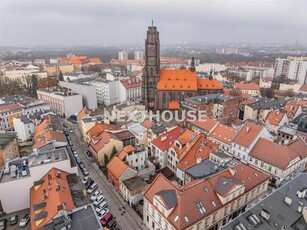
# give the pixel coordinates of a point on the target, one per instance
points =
(185, 139)
(126, 149)
(247, 134)
(200, 148)
(273, 153)
(247, 86)
(205, 83)
(98, 142)
(206, 124)
(117, 167)
(275, 117)
(299, 146)
(292, 106)
(147, 124)
(164, 141)
(174, 105)
(131, 83)
(303, 88)
(177, 80)
(223, 133)
(186, 197)
(9, 108)
(100, 128)
(53, 199)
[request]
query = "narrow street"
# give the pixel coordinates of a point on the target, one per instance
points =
(125, 216)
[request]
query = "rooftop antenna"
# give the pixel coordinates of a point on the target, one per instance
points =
(151, 22)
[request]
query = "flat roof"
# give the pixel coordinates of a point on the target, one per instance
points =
(135, 183)
(204, 169)
(6, 137)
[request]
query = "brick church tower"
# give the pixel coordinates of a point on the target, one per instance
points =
(152, 68)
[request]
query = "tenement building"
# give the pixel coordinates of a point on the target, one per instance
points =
(205, 203)
(162, 88)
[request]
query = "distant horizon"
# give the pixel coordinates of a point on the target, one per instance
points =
(70, 23)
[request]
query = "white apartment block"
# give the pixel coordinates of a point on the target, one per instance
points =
(61, 100)
(293, 68)
(88, 92)
(106, 91)
(138, 55)
(123, 55)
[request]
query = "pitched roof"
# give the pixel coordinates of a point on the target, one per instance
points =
(43, 211)
(169, 198)
(164, 141)
(201, 148)
(205, 83)
(225, 184)
(247, 86)
(299, 146)
(185, 139)
(117, 167)
(82, 113)
(147, 124)
(98, 142)
(273, 153)
(206, 124)
(131, 83)
(291, 107)
(303, 88)
(223, 133)
(174, 105)
(200, 193)
(126, 149)
(8, 108)
(275, 117)
(101, 127)
(177, 80)
(247, 134)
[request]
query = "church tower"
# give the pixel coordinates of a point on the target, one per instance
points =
(152, 68)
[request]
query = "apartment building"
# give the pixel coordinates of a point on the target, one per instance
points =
(281, 162)
(7, 114)
(202, 204)
(275, 120)
(130, 90)
(56, 69)
(61, 100)
(248, 88)
(8, 147)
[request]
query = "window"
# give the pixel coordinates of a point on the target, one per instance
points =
(159, 219)
(147, 218)
(200, 207)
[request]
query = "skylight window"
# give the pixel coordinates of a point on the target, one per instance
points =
(176, 218)
(186, 219)
(206, 189)
(200, 207)
(248, 178)
(213, 203)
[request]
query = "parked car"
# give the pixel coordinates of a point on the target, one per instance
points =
(70, 143)
(103, 205)
(106, 219)
(99, 200)
(65, 125)
(66, 133)
(86, 179)
(92, 188)
(3, 223)
(95, 195)
(13, 220)
(85, 172)
(24, 221)
(89, 154)
(71, 131)
(102, 213)
(110, 225)
(78, 160)
(89, 183)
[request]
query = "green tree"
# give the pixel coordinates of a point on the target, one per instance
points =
(106, 159)
(114, 152)
(61, 78)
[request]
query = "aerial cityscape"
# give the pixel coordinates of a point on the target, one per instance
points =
(154, 115)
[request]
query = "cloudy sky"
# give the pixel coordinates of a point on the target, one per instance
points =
(106, 22)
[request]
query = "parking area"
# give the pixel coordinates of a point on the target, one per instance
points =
(20, 214)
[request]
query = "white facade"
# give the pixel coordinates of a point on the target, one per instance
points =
(15, 192)
(123, 55)
(130, 91)
(21, 74)
(242, 152)
(138, 158)
(138, 55)
(63, 103)
(160, 155)
(207, 67)
(88, 92)
(24, 130)
(293, 68)
(107, 91)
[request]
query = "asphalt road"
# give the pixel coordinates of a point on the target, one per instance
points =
(125, 216)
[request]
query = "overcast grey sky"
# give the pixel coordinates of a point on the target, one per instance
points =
(101, 22)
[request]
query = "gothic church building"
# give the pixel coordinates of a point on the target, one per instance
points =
(164, 89)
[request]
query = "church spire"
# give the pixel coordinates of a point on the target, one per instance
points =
(151, 22)
(192, 68)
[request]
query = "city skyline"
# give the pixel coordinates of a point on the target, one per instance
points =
(55, 23)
